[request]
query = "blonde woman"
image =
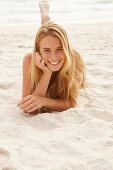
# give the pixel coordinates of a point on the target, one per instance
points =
(54, 72)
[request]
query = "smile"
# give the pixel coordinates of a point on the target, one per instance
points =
(54, 63)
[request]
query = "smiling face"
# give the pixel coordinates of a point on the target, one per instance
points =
(52, 52)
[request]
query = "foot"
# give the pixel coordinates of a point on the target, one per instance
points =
(44, 10)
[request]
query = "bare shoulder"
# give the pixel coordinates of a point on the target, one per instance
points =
(27, 59)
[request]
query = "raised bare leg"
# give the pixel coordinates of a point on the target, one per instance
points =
(44, 10)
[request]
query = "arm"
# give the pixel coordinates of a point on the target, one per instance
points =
(42, 85)
(40, 101)
(32, 103)
(41, 89)
(57, 104)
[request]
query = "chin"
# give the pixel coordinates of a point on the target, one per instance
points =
(55, 68)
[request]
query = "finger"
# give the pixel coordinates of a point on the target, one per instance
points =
(38, 56)
(29, 107)
(24, 100)
(37, 53)
(34, 112)
(24, 111)
(45, 65)
(25, 104)
(42, 63)
(33, 109)
(38, 59)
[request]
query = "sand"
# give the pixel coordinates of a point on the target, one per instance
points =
(77, 139)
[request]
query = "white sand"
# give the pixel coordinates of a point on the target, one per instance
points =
(76, 139)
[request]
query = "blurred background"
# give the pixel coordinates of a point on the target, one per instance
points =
(23, 12)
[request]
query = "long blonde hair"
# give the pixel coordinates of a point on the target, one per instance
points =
(69, 76)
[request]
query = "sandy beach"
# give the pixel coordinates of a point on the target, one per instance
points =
(77, 139)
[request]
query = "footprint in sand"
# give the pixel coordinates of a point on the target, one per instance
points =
(108, 143)
(8, 168)
(99, 163)
(4, 159)
(4, 156)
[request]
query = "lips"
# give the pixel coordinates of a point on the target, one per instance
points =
(54, 63)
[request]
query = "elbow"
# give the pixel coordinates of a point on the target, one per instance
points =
(71, 104)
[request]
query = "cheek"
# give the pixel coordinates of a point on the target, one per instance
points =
(45, 56)
(63, 57)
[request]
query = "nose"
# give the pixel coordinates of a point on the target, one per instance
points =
(53, 56)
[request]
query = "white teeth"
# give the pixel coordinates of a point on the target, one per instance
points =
(54, 62)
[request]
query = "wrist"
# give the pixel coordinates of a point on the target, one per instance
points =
(49, 73)
(45, 101)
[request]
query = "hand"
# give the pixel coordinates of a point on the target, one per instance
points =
(39, 62)
(31, 103)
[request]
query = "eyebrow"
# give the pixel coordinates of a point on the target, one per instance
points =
(49, 48)
(60, 47)
(46, 48)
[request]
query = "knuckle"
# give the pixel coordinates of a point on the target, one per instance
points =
(33, 99)
(30, 110)
(24, 111)
(37, 105)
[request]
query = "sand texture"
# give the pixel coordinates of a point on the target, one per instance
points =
(77, 139)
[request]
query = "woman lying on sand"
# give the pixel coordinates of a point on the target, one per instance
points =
(54, 72)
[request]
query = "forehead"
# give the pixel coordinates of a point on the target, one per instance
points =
(50, 41)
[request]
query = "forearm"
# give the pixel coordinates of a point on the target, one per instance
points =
(57, 104)
(42, 86)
